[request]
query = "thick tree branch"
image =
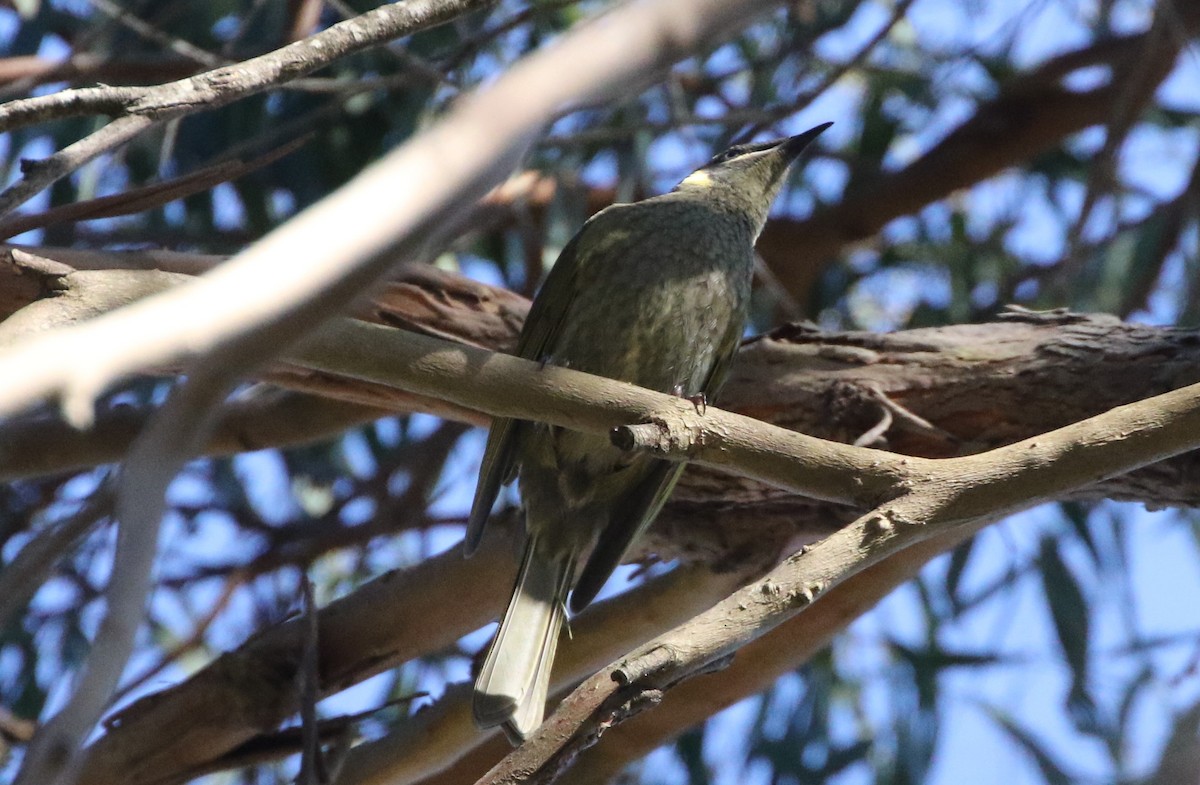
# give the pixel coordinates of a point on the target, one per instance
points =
(948, 497)
(753, 670)
(949, 391)
(171, 734)
(210, 314)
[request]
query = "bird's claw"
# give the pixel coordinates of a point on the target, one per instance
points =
(698, 400)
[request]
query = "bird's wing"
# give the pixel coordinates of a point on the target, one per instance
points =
(495, 471)
(631, 514)
(639, 508)
(542, 326)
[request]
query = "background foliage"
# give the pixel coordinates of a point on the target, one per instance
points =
(1058, 647)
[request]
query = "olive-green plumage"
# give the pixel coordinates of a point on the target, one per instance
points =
(653, 293)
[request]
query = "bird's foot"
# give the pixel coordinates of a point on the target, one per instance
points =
(699, 400)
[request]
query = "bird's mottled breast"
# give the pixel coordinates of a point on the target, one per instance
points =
(660, 287)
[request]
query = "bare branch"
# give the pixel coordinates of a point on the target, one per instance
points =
(153, 34)
(308, 685)
(950, 497)
(39, 174)
(436, 736)
(401, 758)
(150, 196)
(753, 670)
(946, 395)
(181, 730)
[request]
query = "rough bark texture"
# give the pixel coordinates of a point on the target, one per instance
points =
(947, 391)
(935, 392)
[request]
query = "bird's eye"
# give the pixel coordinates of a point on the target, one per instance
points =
(728, 155)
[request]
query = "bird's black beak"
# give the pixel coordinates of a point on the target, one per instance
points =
(794, 145)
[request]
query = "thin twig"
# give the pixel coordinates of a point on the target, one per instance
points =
(142, 108)
(27, 571)
(233, 582)
(39, 174)
(147, 197)
(830, 78)
(154, 35)
(312, 762)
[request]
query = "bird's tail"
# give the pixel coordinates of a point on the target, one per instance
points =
(512, 686)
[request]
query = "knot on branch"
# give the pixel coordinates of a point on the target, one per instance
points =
(622, 706)
(647, 673)
(641, 665)
(31, 166)
(883, 524)
(677, 435)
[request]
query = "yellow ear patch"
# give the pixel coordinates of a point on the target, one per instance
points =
(699, 179)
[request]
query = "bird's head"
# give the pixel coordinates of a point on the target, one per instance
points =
(750, 175)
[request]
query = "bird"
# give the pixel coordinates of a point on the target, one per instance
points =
(655, 293)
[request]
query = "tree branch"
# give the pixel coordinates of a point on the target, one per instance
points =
(40, 444)
(753, 670)
(586, 64)
(171, 734)
(949, 497)
(950, 391)
(436, 736)
(250, 690)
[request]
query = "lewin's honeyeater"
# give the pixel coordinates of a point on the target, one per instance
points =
(654, 293)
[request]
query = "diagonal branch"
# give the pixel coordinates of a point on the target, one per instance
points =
(149, 196)
(753, 670)
(587, 64)
(940, 498)
(169, 735)
(250, 691)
